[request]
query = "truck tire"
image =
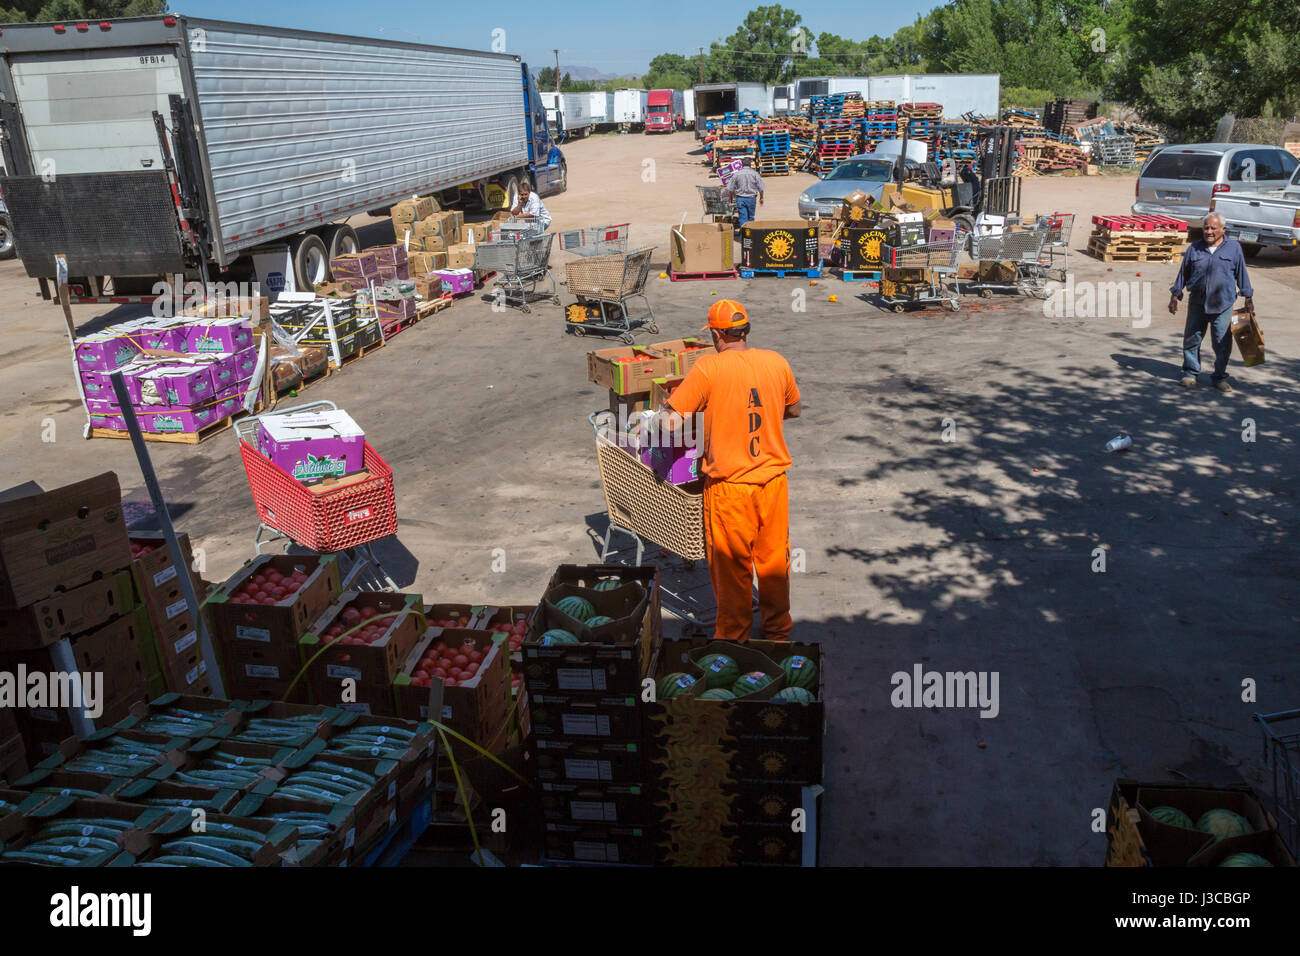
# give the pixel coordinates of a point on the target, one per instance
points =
(1248, 249)
(310, 261)
(7, 247)
(340, 240)
(564, 177)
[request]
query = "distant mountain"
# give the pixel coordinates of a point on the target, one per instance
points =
(589, 73)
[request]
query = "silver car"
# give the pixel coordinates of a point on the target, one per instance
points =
(867, 173)
(1180, 181)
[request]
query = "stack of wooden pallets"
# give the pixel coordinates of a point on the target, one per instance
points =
(1137, 238)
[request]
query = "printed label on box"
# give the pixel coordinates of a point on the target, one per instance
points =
(262, 670)
(579, 678)
(587, 769)
(194, 673)
(165, 575)
(186, 642)
(585, 725)
(595, 852)
(446, 712)
(350, 838)
(174, 610)
(593, 810)
(339, 672)
(253, 634)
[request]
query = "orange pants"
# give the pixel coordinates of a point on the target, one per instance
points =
(747, 530)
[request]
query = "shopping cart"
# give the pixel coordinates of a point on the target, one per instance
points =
(1059, 225)
(646, 508)
(716, 205)
(520, 265)
(1020, 257)
(611, 294)
(1282, 757)
(343, 520)
(595, 240)
(935, 265)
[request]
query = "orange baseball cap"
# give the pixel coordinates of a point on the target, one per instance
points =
(727, 314)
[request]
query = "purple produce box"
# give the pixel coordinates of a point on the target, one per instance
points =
(245, 363)
(115, 422)
(177, 419)
(215, 335)
(394, 255)
(102, 406)
(99, 385)
(230, 400)
(391, 273)
(313, 446)
(169, 338)
(105, 353)
(176, 384)
(676, 465)
(456, 281)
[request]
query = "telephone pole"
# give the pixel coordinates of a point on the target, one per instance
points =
(701, 65)
(557, 70)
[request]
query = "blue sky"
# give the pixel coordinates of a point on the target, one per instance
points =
(612, 37)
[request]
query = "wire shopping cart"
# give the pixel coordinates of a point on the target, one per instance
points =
(1282, 757)
(716, 205)
(595, 240)
(1019, 255)
(343, 520)
(1059, 226)
(611, 294)
(931, 273)
(520, 265)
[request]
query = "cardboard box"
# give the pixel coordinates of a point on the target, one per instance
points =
(431, 245)
(477, 708)
(52, 541)
(67, 613)
(778, 244)
(627, 369)
(625, 407)
(460, 256)
(13, 758)
(411, 210)
(991, 270)
(281, 624)
(684, 352)
(701, 247)
(421, 263)
(478, 231)
(1246, 333)
(400, 615)
(428, 286)
(313, 446)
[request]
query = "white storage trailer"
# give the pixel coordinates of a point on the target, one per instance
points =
(958, 92)
(688, 107)
(572, 115)
(272, 133)
(629, 106)
(601, 107)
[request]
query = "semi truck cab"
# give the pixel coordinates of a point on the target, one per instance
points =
(662, 111)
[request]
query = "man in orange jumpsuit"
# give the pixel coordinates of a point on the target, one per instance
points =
(745, 394)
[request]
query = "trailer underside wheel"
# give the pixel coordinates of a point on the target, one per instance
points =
(7, 248)
(340, 240)
(310, 261)
(564, 176)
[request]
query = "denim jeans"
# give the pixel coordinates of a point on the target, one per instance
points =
(745, 208)
(1194, 334)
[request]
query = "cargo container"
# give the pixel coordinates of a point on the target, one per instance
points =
(149, 147)
(717, 99)
(629, 107)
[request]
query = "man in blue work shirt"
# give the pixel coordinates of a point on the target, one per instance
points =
(1212, 273)
(747, 187)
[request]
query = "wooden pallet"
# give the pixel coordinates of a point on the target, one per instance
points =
(813, 273)
(176, 438)
(1129, 236)
(305, 383)
(701, 276)
(360, 354)
(432, 306)
(1151, 253)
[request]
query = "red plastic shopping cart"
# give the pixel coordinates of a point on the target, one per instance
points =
(345, 519)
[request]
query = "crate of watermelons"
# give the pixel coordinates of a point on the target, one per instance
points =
(594, 632)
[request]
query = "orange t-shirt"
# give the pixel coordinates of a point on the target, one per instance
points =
(743, 394)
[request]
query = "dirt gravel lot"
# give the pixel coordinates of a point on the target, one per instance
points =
(971, 554)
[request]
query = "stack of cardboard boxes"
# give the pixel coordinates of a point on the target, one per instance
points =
(67, 604)
(433, 240)
(259, 639)
(865, 225)
(587, 716)
(174, 640)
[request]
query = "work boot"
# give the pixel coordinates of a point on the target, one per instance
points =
(1187, 381)
(1223, 386)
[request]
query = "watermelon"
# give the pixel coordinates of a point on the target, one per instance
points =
(670, 685)
(598, 620)
(719, 670)
(800, 671)
(748, 683)
(557, 635)
(1173, 817)
(800, 696)
(1222, 824)
(1245, 859)
(718, 693)
(609, 584)
(576, 607)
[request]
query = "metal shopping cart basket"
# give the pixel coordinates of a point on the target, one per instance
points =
(1059, 226)
(520, 265)
(611, 294)
(1021, 251)
(931, 274)
(716, 205)
(343, 520)
(595, 240)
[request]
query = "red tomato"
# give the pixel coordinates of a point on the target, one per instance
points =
(440, 672)
(451, 682)
(472, 669)
(274, 576)
(460, 660)
(475, 656)
(456, 672)
(440, 646)
(351, 615)
(420, 675)
(368, 612)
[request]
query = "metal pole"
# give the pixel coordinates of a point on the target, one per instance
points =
(701, 66)
(557, 76)
(169, 533)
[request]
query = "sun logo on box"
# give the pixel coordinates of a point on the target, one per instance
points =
(869, 245)
(779, 245)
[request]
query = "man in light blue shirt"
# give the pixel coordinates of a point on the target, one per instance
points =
(530, 207)
(1212, 274)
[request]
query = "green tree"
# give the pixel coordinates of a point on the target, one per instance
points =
(43, 11)
(762, 49)
(667, 81)
(673, 63)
